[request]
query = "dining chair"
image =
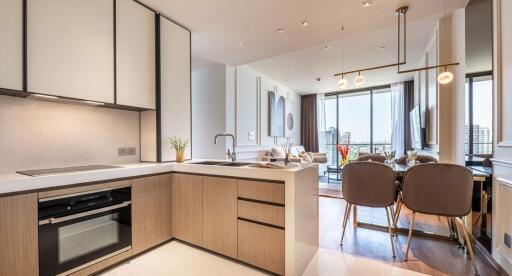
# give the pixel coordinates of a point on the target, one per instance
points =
(420, 158)
(372, 157)
(369, 184)
(439, 189)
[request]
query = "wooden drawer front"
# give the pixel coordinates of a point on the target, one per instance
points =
(264, 191)
(265, 213)
(261, 246)
(86, 188)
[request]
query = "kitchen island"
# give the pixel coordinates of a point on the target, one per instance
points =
(267, 218)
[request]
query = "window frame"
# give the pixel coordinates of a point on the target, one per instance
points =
(471, 136)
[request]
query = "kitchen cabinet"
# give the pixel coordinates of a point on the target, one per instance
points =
(220, 215)
(175, 94)
(261, 246)
(151, 211)
(18, 238)
(70, 48)
(188, 208)
(135, 55)
(11, 35)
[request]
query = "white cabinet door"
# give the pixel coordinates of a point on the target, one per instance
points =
(175, 113)
(135, 51)
(71, 48)
(11, 37)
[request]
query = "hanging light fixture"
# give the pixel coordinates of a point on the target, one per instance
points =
(445, 77)
(342, 83)
(359, 80)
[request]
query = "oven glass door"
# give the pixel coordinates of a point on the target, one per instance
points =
(67, 244)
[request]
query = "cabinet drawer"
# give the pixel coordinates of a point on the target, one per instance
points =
(265, 213)
(261, 246)
(259, 190)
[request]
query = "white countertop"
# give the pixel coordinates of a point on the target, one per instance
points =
(16, 183)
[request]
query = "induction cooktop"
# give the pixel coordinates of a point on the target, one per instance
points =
(56, 171)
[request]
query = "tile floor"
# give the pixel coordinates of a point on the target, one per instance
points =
(176, 258)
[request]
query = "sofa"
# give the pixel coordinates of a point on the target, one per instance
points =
(297, 155)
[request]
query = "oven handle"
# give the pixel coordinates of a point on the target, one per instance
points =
(84, 214)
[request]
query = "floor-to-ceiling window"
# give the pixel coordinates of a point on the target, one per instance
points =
(478, 127)
(361, 118)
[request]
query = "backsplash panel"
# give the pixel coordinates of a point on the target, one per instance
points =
(37, 134)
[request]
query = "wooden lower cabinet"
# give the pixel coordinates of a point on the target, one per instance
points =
(261, 246)
(188, 208)
(18, 235)
(220, 215)
(151, 211)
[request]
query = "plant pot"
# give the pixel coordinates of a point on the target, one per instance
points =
(180, 157)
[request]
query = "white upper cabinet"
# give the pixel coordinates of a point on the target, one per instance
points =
(11, 48)
(175, 113)
(71, 48)
(135, 52)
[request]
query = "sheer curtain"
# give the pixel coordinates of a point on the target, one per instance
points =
(397, 117)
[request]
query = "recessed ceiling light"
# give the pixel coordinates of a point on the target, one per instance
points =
(280, 31)
(367, 3)
(327, 47)
(304, 22)
(242, 43)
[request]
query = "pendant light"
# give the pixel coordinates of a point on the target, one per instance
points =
(445, 77)
(359, 80)
(342, 83)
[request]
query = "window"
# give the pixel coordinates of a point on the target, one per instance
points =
(361, 118)
(478, 129)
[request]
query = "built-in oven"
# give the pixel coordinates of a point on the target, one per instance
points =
(78, 230)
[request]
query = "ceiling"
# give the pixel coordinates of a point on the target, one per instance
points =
(298, 70)
(218, 26)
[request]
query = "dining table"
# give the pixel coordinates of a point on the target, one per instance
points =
(479, 177)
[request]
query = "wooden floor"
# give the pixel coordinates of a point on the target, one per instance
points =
(434, 257)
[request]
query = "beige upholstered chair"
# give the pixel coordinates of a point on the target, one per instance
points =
(369, 184)
(439, 189)
(420, 158)
(375, 157)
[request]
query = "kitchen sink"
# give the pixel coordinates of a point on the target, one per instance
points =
(235, 164)
(208, 163)
(224, 164)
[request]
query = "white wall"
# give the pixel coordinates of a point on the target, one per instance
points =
(209, 109)
(249, 115)
(37, 134)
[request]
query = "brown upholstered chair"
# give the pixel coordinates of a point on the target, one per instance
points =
(369, 184)
(375, 157)
(439, 189)
(420, 158)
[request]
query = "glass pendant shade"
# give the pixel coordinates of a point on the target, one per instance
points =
(342, 83)
(445, 77)
(359, 80)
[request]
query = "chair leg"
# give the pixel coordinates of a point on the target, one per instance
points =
(398, 209)
(389, 215)
(345, 219)
(410, 236)
(469, 246)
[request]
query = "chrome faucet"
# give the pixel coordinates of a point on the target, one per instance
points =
(230, 154)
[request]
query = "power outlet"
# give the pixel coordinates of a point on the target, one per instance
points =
(129, 151)
(507, 240)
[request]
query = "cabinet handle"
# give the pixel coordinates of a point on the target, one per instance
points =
(84, 214)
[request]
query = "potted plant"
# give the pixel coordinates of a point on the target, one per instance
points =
(179, 147)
